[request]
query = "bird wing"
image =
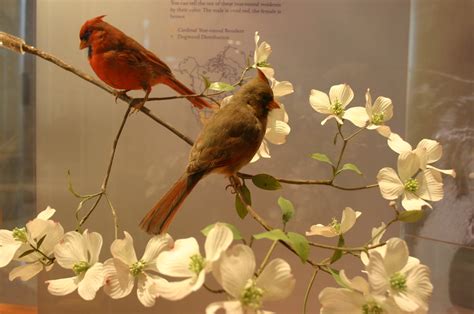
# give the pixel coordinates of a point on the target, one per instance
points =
(227, 142)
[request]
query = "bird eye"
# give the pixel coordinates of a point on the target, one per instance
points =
(86, 35)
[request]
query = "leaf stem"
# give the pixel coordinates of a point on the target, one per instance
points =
(267, 257)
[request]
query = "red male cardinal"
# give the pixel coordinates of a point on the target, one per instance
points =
(123, 63)
(226, 143)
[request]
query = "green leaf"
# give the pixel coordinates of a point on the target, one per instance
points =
(411, 215)
(350, 167)
(337, 278)
(40, 241)
(235, 231)
(322, 158)
(338, 253)
(266, 182)
(287, 209)
(300, 244)
(221, 87)
(240, 207)
(275, 234)
(26, 253)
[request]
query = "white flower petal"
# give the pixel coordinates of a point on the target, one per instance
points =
(263, 151)
(93, 241)
(263, 52)
(175, 262)
(8, 247)
(118, 282)
(54, 234)
(383, 105)
(378, 277)
(123, 249)
(230, 307)
(397, 144)
(419, 285)
(411, 201)
(383, 130)
(93, 280)
(281, 89)
(62, 286)
(391, 187)
(175, 290)
(70, 250)
(340, 301)
(325, 231)
(218, 240)
(46, 214)
(268, 72)
(408, 165)
(449, 172)
(234, 269)
(357, 115)
(357, 283)
(154, 247)
(276, 280)
(278, 133)
(143, 290)
(349, 217)
(342, 93)
(431, 185)
(332, 117)
(431, 148)
(396, 255)
(25, 272)
(320, 102)
(405, 303)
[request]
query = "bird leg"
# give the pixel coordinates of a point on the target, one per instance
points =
(121, 93)
(235, 184)
(141, 103)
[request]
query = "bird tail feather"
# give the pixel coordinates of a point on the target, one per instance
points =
(158, 219)
(180, 88)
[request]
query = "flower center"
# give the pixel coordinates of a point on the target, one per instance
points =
(80, 267)
(377, 118)
(335, 225)
(19, 234)
(371, 308)
(336, 108)
(411, 185)
(252, 295)
(398, 282)
(137, 268)
(197, 263)
(263, 64)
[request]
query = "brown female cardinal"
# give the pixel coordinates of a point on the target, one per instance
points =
(226, 143)
(124, 64)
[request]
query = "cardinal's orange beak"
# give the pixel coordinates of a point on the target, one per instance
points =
(274, 105)
(83, 44)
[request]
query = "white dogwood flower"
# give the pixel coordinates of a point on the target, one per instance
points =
(18, 244)
(124, 268)
(335, 104)
(428, 152)
(396, 275)
(184, 260)
(355, 298)
(80, 253)
(235, 272)
(336, 228)
(414, 185)
(260, 57)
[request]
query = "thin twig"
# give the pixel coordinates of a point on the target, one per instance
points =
(308, 290)
(267, 257)
(347, 249)
(107, 174)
